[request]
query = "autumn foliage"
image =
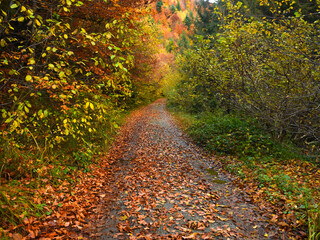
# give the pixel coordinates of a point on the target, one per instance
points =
(257, 62)
(68, 69)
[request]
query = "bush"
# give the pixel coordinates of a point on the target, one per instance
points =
(229, 134)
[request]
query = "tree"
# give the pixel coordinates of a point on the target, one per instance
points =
(183, 42)
(188, 21)
(67, 69)
(267, 68)
(172, 8)
(159, 5)
(191, 14)
(178, 6)
(308, 9)
(170, 46)
(207, 22)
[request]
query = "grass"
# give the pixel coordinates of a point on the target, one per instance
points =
(285, 176)
(314, 224)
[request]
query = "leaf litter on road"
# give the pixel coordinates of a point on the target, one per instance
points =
(153, 184)
(165, 191)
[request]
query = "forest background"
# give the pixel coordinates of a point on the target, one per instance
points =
(242, 77)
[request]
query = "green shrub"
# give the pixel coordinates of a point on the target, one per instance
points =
(228, 134)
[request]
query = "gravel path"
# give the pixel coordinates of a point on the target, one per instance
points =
(167, 188)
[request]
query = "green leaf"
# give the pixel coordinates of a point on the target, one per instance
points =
(14, 6)
(8, 120)
(48, 212)
(297, 14)
(62, 74)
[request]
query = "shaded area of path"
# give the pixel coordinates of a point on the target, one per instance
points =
(164, 190)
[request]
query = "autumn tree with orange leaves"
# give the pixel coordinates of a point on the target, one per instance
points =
(67, 68)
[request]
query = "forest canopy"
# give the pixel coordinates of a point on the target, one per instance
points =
(258, 57)
(67, 70)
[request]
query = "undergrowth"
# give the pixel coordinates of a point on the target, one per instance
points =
(26, 170)
(285, 175)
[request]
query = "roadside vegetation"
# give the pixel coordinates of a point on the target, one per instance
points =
(243, 76)
(272, 173)
(247, 88)
(69, 73)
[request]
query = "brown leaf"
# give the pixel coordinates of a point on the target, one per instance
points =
(191, 236)
(17, 236)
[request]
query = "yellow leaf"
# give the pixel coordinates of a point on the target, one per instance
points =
(32, 61)
(3, 43)
(91, 106)
(87, 104)
(28, 78)
(38, 22)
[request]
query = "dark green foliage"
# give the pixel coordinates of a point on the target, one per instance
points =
(207, 22)
(183, 42)
(309, 9)
(229, 134)
(159, 6)
(188, 21)
(172, 8)
(171, 46)
(193, 104)
(178, 6)
(191, 14)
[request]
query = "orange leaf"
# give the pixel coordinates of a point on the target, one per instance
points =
(16, 236)
(191, 236)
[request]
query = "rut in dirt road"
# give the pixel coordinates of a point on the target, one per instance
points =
(165, 190)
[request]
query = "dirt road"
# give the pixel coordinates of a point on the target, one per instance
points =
(167, 188)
